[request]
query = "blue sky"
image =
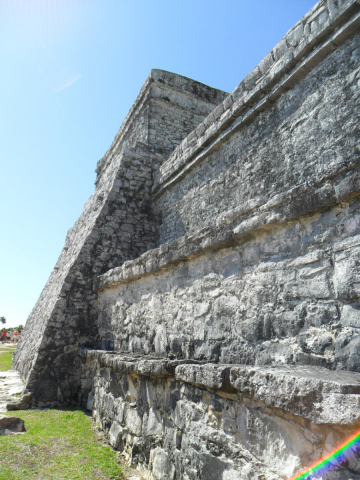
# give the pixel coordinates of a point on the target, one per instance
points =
(70, 71)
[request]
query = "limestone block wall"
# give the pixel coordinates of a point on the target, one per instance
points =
(309, 133)
(236, 340)
(283, 293)
(256, 205)
(321, 31)
(182, 421)
(177, 106)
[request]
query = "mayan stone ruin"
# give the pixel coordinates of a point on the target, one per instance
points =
(206, 304)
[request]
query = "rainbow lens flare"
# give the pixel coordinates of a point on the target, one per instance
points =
(336, 458)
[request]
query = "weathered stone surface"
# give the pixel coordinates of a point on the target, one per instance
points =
(210, 376)
(206, 306)
(11, 425)
(297, 44)
(320, 395)
(222, 421)
(11, 386)
(23, 403)
(246, 165)
(273, 300)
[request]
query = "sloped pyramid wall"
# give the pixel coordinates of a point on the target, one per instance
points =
(116, 225)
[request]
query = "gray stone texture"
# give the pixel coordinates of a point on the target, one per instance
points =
(211, 421)
(167, 108)
(291, 60)
(11, 387)
(11, 425)
(206, 305)
(289, 295)
(301, 135)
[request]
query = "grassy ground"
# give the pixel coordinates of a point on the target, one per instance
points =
(58, 445)
(6, 356)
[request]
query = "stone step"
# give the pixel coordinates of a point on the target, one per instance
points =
(318, 394)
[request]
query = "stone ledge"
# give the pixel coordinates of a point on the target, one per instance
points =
(212, 376)
(317, 394)
(139, 364)
(238, 225)
(284, 66)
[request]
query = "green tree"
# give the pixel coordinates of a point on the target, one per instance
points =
(3, 320)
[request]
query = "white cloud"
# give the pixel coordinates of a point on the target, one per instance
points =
(68, 83)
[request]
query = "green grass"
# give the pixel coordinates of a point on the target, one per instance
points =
(5, 361)
(58, 445)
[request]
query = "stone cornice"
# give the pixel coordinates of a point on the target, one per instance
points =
(317, 34)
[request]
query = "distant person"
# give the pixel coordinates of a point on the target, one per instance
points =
(8, 336)
(15, 337)
(3, 335)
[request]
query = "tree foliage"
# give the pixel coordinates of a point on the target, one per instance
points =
(11, 329)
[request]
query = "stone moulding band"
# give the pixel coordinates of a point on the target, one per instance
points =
(245, 102)
(305, 391)
(239, 225)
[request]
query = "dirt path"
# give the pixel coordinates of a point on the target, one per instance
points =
(7, 347)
